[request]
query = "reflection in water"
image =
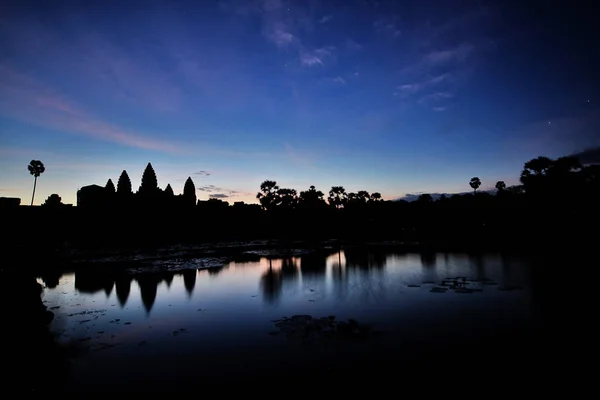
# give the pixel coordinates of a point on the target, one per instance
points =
(148, 286)
(189, 280)
(123, 286)
(168, 278)
(428, 259)
(314, 264)
(359, 259)
(92, 282)
(345, 275)
(51, 278)
(271, 282)
(478, 262)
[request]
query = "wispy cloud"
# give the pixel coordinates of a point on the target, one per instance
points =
(218, 196)
(216, 192)
(281, 24)
(317, 56)
(438, 57)
(353, 45)
(424, 84)
(387, 27)
(26, 99)
(202, 173)
(435, 97)
(439, 108)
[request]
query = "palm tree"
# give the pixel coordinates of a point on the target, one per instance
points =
(475, 183)
(337, 197)
(36, 168)
(268, 195)
(500, 186)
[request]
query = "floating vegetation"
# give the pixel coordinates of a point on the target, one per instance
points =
(439, 290)
(305, 327)
(413, 285)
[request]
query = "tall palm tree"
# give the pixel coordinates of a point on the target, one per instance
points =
(475, 183)
(36, 168)
(500, 186)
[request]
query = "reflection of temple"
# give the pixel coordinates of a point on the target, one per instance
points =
(148, 286)
(189, 280)
(123, 286)
(92, 282)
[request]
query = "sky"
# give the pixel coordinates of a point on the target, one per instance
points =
(396, 97)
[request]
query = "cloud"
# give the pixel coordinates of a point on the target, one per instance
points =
(219, 192)
(282, 23)
(317, 56)
(339, 80)
(26, 99)
(280, 35)
(435, 97)
(425, 83)
(202, 173)
(310, 60)
(439, 108)
(208, 188)
(458, 53)
(218, 196)
(353, 45)
(387, 27)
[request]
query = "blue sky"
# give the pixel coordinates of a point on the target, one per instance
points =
(395, 97)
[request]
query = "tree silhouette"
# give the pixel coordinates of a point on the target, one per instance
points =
(124, 184)
(500, 186)
(53, 200)
(169, 191)
(375, 196)
(425, 198)
(337, 197)
(189, 192)
(311, 198)
(149, 183)
(268, 195)
(287, 198)
(36, 168)
(110, 187)
(475, 183)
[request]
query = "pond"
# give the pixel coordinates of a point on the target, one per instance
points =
(161, 329)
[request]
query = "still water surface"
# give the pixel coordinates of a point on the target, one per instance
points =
(165, 327)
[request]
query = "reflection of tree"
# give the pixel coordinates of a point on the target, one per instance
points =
(289, 269)
(271, 282)
(123, 286)
(148, 286)
(477, 260)
(314, 264)
(216, 270)
(363, 260)
(428, 259)
(90, 282)
(189, 280)
(51, 278)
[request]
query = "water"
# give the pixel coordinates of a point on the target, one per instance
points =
(168, 328)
